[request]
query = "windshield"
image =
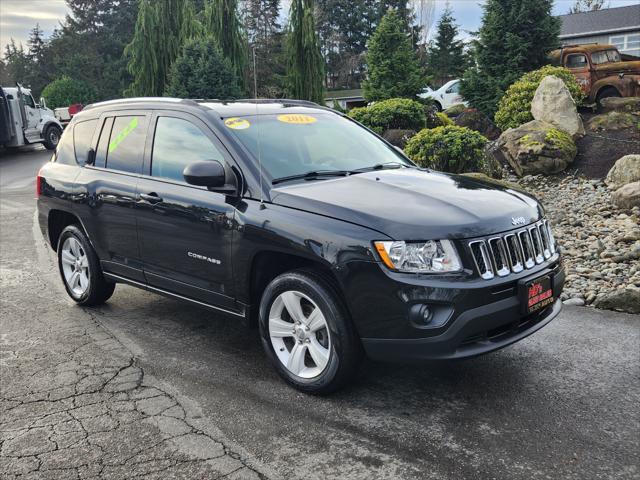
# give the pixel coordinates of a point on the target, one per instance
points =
(295, 144)
(605, 56)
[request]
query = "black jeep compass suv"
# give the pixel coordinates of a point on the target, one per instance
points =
(294, 217)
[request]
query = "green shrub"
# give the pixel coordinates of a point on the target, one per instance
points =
(444, 118)
(514, 108)
(448, 149)
(66, 91)
(395, 113)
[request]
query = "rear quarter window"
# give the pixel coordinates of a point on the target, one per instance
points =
(82, 136)
(65, 154)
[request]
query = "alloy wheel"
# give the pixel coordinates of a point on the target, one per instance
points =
(299, 334)
(75, 266)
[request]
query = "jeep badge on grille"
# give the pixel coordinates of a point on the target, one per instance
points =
(518, 221)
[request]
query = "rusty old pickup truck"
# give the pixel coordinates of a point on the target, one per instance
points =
(600, 70)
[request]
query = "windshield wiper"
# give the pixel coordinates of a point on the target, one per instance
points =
(381, 166)
(313, 175)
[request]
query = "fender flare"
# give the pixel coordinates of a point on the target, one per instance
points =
(49, 123)
(601, 85)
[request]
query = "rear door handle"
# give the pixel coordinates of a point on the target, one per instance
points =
(151, 197)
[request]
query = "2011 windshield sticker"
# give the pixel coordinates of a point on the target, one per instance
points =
(124, 133)
(297, 119)
(236, 123)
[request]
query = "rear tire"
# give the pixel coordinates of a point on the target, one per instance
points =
(315, 349)
(80, 269)
(52, 137)
(607, 92)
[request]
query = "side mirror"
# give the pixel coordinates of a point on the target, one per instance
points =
(210, 174)
(43, 103)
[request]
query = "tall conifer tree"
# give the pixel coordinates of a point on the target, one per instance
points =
(305, 67)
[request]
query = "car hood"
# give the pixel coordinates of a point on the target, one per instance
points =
(413, 204)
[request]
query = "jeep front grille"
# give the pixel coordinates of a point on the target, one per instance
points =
(514, 251)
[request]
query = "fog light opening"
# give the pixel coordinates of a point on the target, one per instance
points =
(421, 314)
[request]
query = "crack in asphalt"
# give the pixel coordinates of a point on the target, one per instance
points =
(75, 403)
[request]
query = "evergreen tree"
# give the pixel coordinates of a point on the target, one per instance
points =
(515, 37)
(304, 60)
(38, 72)
(586, 6)
(260, 18)
(222, 21)
(201, 71)
(160, 31)
(393, 66)
(17, 63)
(446, 56)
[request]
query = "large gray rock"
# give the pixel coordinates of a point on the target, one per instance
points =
(536, 148)
(478, 121)
(620, 104)
(625, 170)
(627, 196)
(623, 300)
(552, 103)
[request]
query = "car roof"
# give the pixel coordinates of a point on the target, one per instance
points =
(223, 108)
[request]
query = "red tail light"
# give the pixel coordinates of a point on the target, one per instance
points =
(75, 108)
(38, 185)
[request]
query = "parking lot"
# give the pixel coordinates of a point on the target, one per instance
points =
(148, 386)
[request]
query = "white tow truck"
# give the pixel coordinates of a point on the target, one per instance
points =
(24, 122)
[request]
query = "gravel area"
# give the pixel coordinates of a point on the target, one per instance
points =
(601, 244)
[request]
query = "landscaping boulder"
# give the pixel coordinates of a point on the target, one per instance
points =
(536, 148)
(625, 170)
(623, 300)
(478, 121)
(627, 196)
(620, 104)
(612, 121)
(398, 137)
(455, 110)
(552, 103)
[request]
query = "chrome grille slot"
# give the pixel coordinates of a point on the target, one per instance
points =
(544, 237)
(527, 248)
(481, 257)
(499, 254)
(514, 251)
(537, 244)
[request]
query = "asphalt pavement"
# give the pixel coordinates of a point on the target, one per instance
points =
(148, 386)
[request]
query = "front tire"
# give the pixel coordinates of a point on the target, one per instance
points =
(607, 92)
(80, 269)
(307, 334)
(52, 137)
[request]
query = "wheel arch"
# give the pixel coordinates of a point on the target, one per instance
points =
(600, 88)
(268, 264)
(57, 221)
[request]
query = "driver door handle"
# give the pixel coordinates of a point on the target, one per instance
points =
(151, 197)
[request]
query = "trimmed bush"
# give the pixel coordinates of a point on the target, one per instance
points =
(395, 113)
(455, 110)
(449, 149)
(66, 91)
(444, 118)
(514, 108)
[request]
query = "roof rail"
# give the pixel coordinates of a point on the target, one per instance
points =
(289, 101)
(118, 101)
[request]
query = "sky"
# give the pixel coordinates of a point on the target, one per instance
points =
(17, 17)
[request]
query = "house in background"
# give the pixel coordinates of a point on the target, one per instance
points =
(346, 99)
(613, 26)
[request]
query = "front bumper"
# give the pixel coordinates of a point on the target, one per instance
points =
(478, 317)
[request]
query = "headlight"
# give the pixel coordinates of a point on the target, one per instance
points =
(433, 256)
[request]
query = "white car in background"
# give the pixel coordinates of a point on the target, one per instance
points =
(446, 96)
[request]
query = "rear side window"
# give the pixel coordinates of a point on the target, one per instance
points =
(82, 135)
(103, 143)
(126, 144)
(177, 143)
